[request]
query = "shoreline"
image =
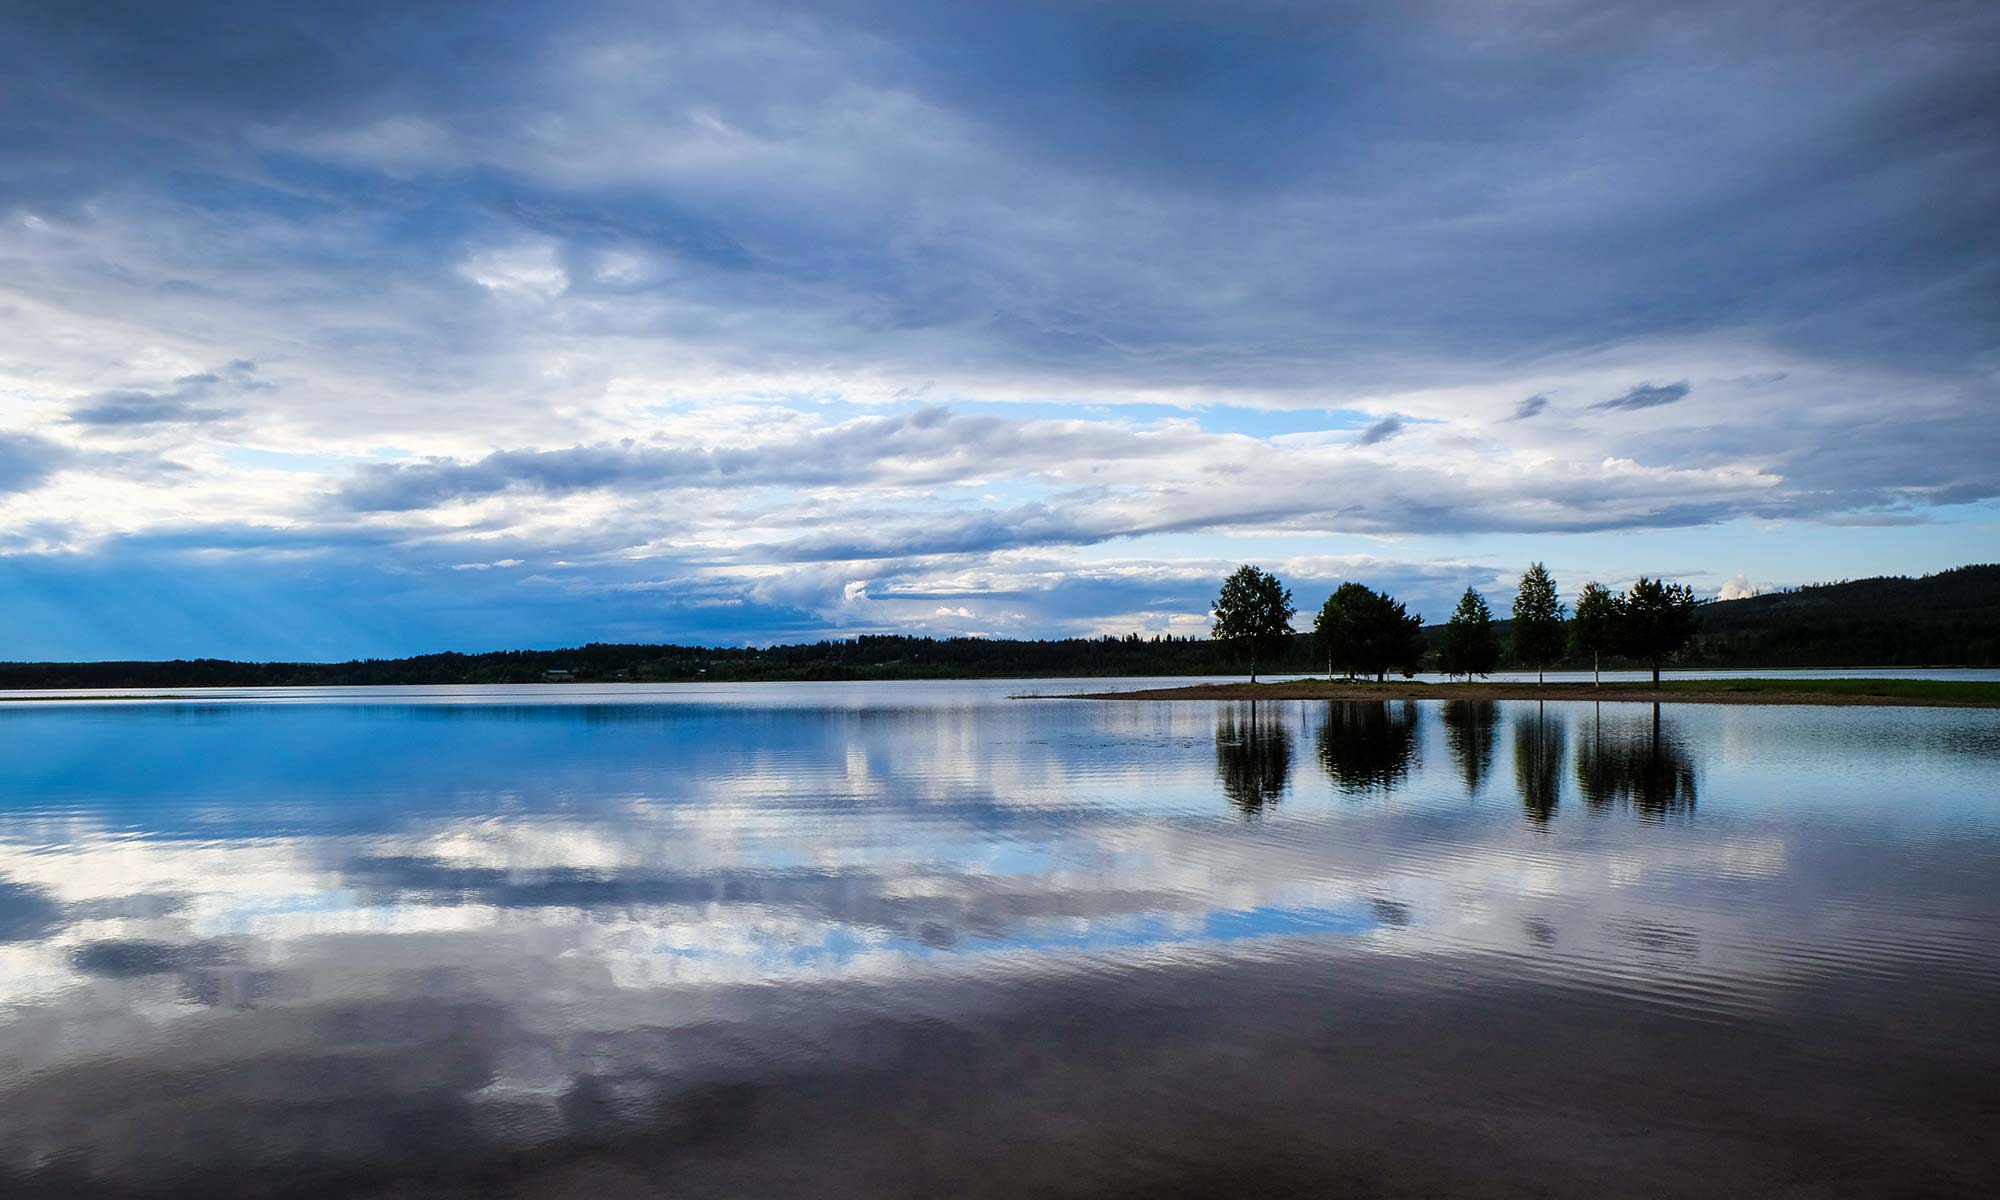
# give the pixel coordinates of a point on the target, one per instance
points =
(1821, 691)
(1831, 692)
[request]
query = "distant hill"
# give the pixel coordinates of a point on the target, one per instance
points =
(1948, 619)
(1951, 618)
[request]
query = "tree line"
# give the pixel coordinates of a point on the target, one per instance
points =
(1951, 618)
(1360, 632)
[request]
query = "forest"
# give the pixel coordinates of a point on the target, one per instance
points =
(1948, 619)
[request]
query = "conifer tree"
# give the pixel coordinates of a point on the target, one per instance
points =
(1468, 647)
(1596, 626)
(1538, 620)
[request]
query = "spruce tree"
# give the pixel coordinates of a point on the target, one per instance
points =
(1538, 620)
(1595, 629)
(1468, 647)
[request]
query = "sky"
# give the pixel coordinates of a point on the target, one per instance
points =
(378, 328)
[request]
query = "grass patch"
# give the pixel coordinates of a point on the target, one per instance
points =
(1962, 691)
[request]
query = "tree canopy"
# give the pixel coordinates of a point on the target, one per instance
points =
(1595, 629)
(1655, 621)
(1468, 647)
(1360, 631)
(1538, 620)
(1253, 615)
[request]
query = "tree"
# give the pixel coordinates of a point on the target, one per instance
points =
(1361, 631)
(1595, 629)
(1655, 620)
(1334, 629)
(1253, 615)
(1468, 647)
(1538, 620)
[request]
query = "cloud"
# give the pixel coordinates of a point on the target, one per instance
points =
(1646, 395)
(918, 447)
(531, 272)
(1532, 406)
(185, 403)
(27, 460)
(691, 308)
(146, 408)
(1381, 431)
(1737, 587)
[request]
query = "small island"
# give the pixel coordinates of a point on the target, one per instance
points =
(1361, 634)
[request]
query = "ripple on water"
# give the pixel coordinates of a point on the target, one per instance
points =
(533, 925)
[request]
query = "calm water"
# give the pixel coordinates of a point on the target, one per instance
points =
(927, 940)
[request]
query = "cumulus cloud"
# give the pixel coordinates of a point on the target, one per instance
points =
(1738, 587)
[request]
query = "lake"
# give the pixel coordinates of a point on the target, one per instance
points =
(925, 939)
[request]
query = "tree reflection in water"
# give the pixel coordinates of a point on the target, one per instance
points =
(1468, 730)
(1646, 766)
(1366, 745)
(1538, 757)
(1253, 755)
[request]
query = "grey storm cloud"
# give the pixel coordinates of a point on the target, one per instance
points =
(1381, 431)
(1647, 395)
(1166, 156)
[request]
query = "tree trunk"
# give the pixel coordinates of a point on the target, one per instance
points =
(1596, 671)
(1656, 674)
(1538, 677)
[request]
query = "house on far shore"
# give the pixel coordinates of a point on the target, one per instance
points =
(555, 674)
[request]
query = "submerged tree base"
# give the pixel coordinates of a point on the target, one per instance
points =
(1933, 693)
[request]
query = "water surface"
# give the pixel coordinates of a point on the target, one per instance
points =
(924, 939)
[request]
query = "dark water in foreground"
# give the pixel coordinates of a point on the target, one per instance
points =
(923, 940)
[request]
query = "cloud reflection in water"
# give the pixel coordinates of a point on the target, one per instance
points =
(524, 924)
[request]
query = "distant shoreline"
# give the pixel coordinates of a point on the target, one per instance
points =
(1922, 693)
(1848, 692)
